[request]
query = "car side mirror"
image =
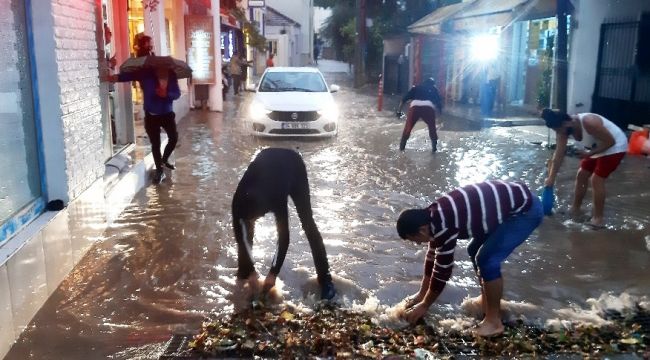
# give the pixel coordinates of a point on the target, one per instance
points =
(334, 88)
(251, 87)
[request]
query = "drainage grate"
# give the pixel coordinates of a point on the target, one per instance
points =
(177, 348)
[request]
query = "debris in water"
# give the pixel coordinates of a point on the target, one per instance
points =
(331, 331)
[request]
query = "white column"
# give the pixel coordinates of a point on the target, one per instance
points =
(124, 125)
(216, 102)
(154, 26)
(48, 92)
(178, 21)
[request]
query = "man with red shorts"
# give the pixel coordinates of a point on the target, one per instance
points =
(425, 100)
(604, 146)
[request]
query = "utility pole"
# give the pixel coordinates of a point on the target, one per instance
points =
(360, 50)
(561, 55)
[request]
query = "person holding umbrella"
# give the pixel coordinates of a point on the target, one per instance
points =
(158, 78)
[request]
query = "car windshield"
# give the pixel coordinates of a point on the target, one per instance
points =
(292, 81)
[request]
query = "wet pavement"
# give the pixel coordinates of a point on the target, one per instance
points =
(170, 258)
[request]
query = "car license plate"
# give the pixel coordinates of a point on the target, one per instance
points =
(288, 125)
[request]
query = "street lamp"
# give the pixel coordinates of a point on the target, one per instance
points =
(484, 47)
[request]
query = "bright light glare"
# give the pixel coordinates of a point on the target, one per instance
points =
(484, 47)
(330, 113)
(258, 111)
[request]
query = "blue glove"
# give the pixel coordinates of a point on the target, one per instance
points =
(547, 195)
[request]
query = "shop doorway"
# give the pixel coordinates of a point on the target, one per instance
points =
(622, 92)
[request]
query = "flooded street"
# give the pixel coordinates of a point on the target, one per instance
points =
(170, 259)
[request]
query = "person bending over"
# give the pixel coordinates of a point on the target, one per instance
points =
(603, 147)
(273, 176)
(425, 100)
(496, 215)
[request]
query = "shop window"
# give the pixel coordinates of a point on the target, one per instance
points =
(20, 180)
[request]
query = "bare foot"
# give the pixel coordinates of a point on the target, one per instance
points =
(576, 215)
(597, 222)
(486, 329)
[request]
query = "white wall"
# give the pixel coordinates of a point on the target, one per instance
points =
(301, 11)
(585, 39)
(320, 15)
(68, 86)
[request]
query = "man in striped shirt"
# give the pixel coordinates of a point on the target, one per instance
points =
(497, 215)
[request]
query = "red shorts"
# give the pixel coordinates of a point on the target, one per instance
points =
(602, 166)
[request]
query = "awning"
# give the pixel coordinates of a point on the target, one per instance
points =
(432, 24)
(485, 14)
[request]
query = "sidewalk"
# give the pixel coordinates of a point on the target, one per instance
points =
(512, 116)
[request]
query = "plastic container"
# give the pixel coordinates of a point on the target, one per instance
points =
(547, 195)
(637, 142)
(645, 149)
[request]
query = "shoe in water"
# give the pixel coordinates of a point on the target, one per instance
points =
(327, 291)
(158, 176)
(168, 165)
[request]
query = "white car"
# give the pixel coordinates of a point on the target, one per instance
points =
(294, 101)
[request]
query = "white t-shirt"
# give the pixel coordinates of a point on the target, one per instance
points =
(590, 142)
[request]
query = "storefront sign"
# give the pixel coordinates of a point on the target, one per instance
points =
(255, 3)
(199, 39)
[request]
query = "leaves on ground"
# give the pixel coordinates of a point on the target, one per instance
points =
(339, 333)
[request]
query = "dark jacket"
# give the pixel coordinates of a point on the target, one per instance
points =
(424, 92)
(154, 104)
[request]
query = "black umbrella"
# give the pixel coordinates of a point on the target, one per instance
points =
(180, 68)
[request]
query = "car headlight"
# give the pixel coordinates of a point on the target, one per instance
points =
(258, 111)
(330, 113)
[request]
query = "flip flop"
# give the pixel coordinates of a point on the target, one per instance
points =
(596, 227)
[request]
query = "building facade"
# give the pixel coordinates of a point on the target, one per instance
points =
(283, 37)
(301, 12)
(607, 73)
(67, 140)
(452, 43)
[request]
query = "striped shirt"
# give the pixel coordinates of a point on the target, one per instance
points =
(472, 211)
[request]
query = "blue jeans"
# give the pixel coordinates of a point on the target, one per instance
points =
(488, 255)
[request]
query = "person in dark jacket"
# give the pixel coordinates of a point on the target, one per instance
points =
(270, 179)
(425, 101)
(160, 89)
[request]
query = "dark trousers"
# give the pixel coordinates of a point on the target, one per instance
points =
(152, 125)
(428, 115)
(236, 83)
(259, 197)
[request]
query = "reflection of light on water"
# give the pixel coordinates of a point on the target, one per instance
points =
(475, 167)
(335, 242)
(329, 155)
(329, 159)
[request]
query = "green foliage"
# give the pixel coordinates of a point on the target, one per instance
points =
(332, 3)
(348, 35)
(339, 31)
(255, 39)
(544, 82)
(389, 17)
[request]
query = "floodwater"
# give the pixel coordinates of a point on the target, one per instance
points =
(170, 259)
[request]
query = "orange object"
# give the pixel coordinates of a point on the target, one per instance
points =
(637, 142)
(645, 149)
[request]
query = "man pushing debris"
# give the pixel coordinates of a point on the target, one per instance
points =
(273, 176)
(498, 216)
